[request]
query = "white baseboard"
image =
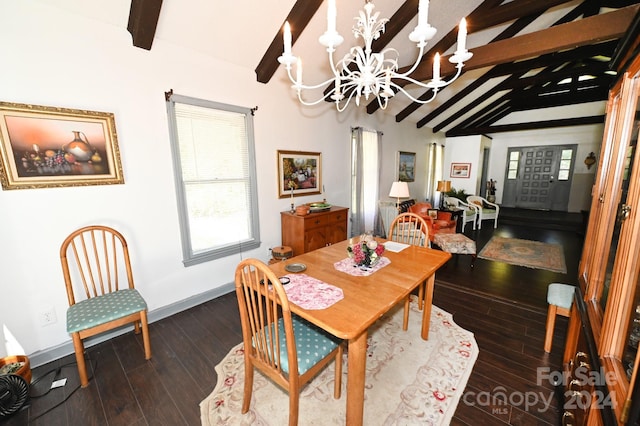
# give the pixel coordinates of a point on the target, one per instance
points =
(56, 352)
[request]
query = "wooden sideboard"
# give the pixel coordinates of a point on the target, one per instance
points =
(315, 230)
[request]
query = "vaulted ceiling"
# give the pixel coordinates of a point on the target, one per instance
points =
(530, 57)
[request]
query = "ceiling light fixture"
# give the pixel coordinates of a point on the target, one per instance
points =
(362, 72)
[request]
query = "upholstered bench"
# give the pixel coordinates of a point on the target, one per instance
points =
(456, 244)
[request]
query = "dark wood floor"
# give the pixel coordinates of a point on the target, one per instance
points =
(503, 305)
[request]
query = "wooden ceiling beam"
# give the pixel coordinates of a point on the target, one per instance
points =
(299, 16)
(537, 101)
(397, 22)
(596, 29)
(513, 10)
(503, 69)
(531, 99)
(484, 16)
(143, 21)
(553, 78)
(534, 125)
(511, 31)
(489, 117)
(552, 60)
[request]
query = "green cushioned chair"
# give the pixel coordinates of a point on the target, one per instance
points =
(94, 260)
(486, 209)
(292, 352)
(470, 213)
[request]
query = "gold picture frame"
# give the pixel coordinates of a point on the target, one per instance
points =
(299, 173)
(48, 147)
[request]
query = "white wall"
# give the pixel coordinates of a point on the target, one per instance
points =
(468, 149)
(588, 138)
(53, 58)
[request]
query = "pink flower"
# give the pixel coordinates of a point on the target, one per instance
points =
(229, 381)
(439, 395)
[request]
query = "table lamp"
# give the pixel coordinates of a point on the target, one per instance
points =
(399, 190)
(443, 186)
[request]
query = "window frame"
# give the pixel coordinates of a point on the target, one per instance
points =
(190, 257)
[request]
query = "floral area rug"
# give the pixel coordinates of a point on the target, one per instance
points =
(531, 254)
(409, 381)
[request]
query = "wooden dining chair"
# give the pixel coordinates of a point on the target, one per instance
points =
(100, 288)
(286, 348)
(409, 228)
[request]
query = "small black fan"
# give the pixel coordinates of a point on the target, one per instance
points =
(14, 392)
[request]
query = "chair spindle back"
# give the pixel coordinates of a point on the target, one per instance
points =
(97, 256)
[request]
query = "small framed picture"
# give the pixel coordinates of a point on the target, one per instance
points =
(433, 213)
(299, 173)
(406, 166)
(460, 170)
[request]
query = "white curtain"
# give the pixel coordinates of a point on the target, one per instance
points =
(365, 180)
(435, 172)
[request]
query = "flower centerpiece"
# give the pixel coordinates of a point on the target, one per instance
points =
(367, 252)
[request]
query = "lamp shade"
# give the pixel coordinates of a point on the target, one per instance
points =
(399, 190)
(444, 186)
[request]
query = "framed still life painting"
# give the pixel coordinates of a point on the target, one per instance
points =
(44, 147)
(299, 173)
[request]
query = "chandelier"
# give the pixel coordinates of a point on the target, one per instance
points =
(361, 72)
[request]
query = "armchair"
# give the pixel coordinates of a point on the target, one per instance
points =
(442, 224)
(486, 210)
(470, 213)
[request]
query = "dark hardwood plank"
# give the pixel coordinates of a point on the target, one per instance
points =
(118, 400)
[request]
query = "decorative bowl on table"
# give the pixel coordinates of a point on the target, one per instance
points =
(318, 207)
(366, 253)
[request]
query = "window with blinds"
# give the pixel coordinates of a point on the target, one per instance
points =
(214, 163)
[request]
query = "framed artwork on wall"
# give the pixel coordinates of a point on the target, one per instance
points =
(299, 173)
(406, 166)
(45, 147)
(460, 170)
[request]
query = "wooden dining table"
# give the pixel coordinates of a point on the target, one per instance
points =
(366, 299)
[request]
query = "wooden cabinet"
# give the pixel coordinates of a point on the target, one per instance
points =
(315, 230)
(609, 270)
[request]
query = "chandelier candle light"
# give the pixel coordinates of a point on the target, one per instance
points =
(361, 72)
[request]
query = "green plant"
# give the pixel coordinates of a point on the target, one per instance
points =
(460, 194)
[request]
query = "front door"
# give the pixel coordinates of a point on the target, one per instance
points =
(539, 177)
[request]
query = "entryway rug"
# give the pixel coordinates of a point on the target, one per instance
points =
(531, 254)
(409, 381)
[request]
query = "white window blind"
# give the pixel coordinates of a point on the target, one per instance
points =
(215, 178)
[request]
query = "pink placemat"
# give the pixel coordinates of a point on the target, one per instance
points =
(311, 293)
(347, 266)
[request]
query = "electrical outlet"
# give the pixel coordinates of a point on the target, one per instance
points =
(48, 316)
